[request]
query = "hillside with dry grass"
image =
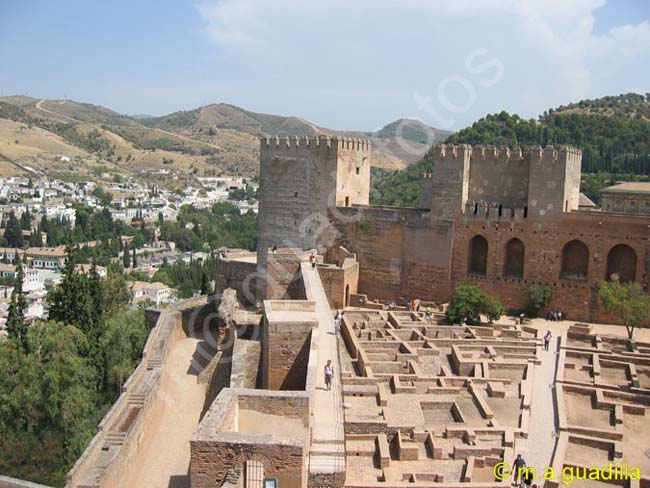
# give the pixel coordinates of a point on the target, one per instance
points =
(64, 136)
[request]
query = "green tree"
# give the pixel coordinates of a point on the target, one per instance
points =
(135, 258)
(469, 302)
(49, 405)
(16, 326)
(465, 305)
(492, 308)
(124, 336)
(537, 297)
(628, 301)
(13, 232)
(126, 256)
(26, 220)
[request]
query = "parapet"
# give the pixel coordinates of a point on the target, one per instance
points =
(496, 154)
(450, 151)
(552, 154)
(320, 142)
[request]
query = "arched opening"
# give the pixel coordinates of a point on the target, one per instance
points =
(621, 262)
(478, 252)
(347, 295)
(347, 201)
(514, 259)
(575, 261)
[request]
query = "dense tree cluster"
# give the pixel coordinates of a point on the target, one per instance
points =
(222, 226)
(60, 377)
(188, 279)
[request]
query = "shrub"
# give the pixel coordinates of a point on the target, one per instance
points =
(492, 308)
(538, 297)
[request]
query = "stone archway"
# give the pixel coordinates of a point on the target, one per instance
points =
(621, 262)
(575, 261)
(514, 259)
(478, 254)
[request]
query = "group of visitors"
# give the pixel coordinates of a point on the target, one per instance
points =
(556, 316)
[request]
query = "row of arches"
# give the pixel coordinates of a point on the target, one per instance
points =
(621, 260)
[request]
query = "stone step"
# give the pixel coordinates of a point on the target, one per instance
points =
(322, 463)
(327, 449)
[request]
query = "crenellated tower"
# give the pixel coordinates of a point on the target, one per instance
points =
(301, 180)
(502, 184)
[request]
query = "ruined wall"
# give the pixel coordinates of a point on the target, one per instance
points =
(286, 341)
(544, 242)
(239, 275)
(218, 448)
(283, 278)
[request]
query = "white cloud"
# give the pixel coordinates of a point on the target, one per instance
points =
(357, 64)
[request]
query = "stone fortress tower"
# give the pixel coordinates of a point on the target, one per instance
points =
(302, 179)
(501, 184)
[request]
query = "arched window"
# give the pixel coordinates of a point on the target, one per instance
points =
(575, 261)
(621, 261)
(514, 259)
(478, 252)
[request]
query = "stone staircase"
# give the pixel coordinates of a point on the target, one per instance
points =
(115, 438)
(154, 363)
(135, 400)
(326, 456)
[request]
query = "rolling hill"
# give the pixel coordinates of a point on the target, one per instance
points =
(214, 139)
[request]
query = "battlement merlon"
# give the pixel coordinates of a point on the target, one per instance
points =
(493, 153)
(322, 142)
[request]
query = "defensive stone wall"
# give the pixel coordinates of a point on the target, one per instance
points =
(396, 250)
(7, 482)
(546, 251)
(238, 271)
(108, 461)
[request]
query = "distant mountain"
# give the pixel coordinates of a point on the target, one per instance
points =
(214, 139)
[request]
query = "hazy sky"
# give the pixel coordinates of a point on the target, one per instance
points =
(353, 64)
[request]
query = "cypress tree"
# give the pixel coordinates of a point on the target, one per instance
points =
(135, 258)
(16, 326)
(126, 258)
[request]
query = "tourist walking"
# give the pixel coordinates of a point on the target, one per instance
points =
(518, 469)
(337, 322)
(329, 372)
(547, 339)
(312, 260)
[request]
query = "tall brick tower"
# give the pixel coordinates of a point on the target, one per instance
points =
(301, 181)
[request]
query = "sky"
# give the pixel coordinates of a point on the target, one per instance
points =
(349, 65)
